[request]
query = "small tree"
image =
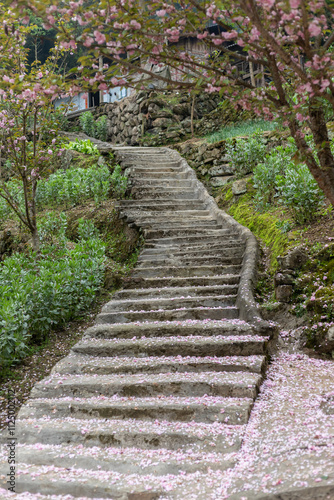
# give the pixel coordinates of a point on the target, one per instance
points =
(285, 47)
(28, 133)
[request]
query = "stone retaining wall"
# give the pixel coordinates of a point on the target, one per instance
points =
(152, 118)
(211, 162)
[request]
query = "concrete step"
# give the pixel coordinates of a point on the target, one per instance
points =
(195, 313)
(179, 281)
(164, 193)
(140, 433)
(153, 304)
(153, 163)
(124, 461)
(175, 251)
(192, 345)
(169, 181)
(185, 328)
(184, 260)
(183, 292)
(161, 205)
(157, 172)
(166, 214)
(80, 364)
(224, 384)
(177, 223)
(186, 271)
(185, 231)
(204, 409)
(197, 240)
(215, 247)
(60, 482)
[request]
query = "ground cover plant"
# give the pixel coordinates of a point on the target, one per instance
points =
(94, 128)
(241, 129)
(72, 186)
(41, 291)
(40, 294)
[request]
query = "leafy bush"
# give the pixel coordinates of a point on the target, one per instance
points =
(292, 185)
(245, 154)
(97, 129)
(87, 123)
(74, 185)
(101, 128)
(119, 182)
(265, 174)
(83, 146)
(39, 294)
(299, 191)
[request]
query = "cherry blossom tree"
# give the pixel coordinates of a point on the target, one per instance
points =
(28, 125)
(285, 46)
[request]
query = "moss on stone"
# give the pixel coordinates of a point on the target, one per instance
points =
(263, 225)
(229, 194)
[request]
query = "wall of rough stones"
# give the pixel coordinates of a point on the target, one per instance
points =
(154, 118)
(212, 164)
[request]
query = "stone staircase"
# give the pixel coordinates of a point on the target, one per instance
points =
(160, 389)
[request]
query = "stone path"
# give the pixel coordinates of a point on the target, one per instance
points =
(158, 393)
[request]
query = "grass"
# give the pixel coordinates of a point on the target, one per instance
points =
(241, 129)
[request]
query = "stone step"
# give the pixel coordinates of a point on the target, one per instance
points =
(185, 271)
(166, 214)
(196, 313)
(174, 251)
(184, 260)
(184, 328)
(224, 384)
(215, 247)
(80, 364)
(60, 482)
(169, 181)
(141, 433)
(183, 292)
(176, 224)
(161, 205)
(124, 461)
(153, 163)
(165, 193)
(197, 240)
(153, 304)
(141, 282)
(157, 172)
(202, 409)
(192, 345)
(185, 231)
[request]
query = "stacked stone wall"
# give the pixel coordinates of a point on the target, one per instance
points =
(154, 118)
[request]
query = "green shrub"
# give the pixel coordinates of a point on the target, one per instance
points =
(97, 129)
(279, 178)
(299, 192)
(119, 182)
(265, 174)
(101, 129)
(82, 146)
(74, 185)
(39, 294)
(87, 123)
(245, 154)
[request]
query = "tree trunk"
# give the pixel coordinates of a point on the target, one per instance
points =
(35, 240)
(192, 116)
(251, 72)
